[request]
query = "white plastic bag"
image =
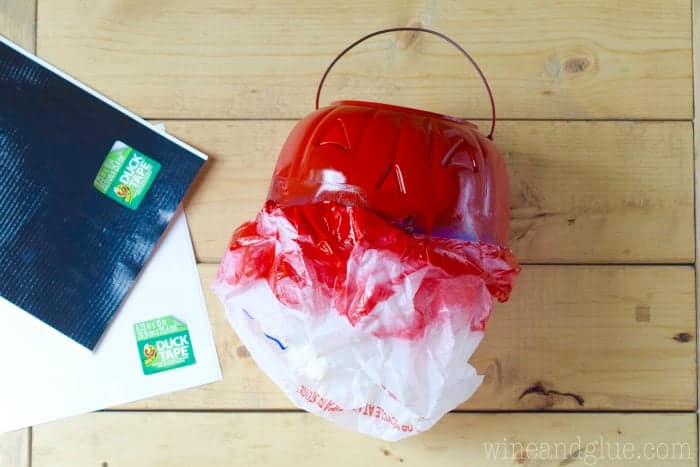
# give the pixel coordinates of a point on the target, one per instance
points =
(368, 327)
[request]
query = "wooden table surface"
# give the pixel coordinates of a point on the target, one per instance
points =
(595, 100)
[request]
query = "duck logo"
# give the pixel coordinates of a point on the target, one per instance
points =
(150, 354)
(123, 191)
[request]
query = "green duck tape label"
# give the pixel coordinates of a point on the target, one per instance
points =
(126, 175)
(164, 344)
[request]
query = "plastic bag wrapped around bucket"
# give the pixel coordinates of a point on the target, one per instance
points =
(363, 286)
(357, 320)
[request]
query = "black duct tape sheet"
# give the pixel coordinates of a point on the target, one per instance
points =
(86, 191)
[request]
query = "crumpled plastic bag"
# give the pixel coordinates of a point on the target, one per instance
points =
(356, 319)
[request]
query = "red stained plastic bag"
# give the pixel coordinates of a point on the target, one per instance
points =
(364, 285)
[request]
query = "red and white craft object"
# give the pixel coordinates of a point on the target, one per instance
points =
(363, 286)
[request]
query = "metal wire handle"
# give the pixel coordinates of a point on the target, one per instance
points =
(429, 31)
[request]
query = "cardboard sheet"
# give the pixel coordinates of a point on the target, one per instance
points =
(46, 376)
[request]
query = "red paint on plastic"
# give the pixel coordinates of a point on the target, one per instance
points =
(323, 241)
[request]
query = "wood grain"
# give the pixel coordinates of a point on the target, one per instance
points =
(262, 59)
(582, 192)
(14, 449)
(606, 334)
(18, 22)
(259, 439)
(582, 338)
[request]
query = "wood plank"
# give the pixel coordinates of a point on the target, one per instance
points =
(295, 439)
(18, 22)
(14, 449)
(582, 192)
(620, 338)
(252, 59)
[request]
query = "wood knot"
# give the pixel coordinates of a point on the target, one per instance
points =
(407, 38)
(569, 64)
(548, 398)
(387, 453)
(575, 65)
(242, 352)
(682, 337)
